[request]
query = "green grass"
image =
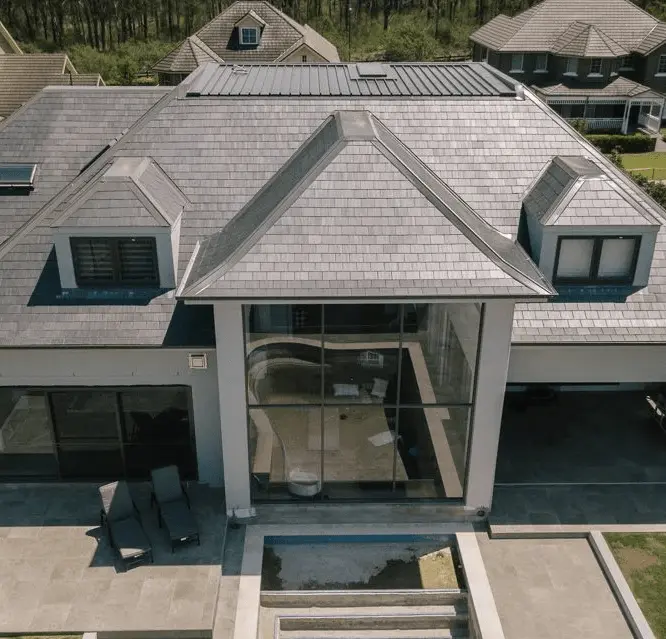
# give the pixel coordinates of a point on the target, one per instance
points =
(642, 559)
(651, 165)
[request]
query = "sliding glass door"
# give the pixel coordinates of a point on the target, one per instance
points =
(375, 399)
(95, 433)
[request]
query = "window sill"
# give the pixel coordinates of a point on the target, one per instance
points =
(570, 74)
(660, 75)
(516, 71)
(626, 69)
(540, 70)
(595, 75)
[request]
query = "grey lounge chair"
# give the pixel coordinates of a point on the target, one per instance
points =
(173, 506)
(120, 517)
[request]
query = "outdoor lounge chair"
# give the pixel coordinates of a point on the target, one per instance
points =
(120, 517)
(173, 506)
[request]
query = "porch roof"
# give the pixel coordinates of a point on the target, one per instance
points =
(618, 88)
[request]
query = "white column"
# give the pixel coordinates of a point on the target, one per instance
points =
(488, 402)
(233, 407)
(625, 120)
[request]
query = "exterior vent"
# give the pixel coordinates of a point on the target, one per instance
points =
(198, 361)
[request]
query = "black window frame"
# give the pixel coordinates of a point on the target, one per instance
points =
(116, 262)
(593, 277)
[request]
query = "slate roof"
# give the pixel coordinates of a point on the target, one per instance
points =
(129, 192)
(361, 79)
(221, 152)
(619, 88)
(353, 213)
(280, 36)
(619, 25)
(21, 76)
(577, 192)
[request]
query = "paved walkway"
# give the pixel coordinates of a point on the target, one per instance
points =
(551, 589)
(58, 573)
(638, 505)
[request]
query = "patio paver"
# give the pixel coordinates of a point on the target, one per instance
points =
(58, 573)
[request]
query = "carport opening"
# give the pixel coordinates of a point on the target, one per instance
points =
(574, 434)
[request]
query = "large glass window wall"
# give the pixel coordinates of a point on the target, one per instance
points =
(95, 433)
(358, 401)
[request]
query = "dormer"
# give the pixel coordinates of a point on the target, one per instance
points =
(121, 230)
(249, 29)
(588, 230)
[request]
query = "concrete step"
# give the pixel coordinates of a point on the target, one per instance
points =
(360, 598)
(382, 618)
(445, 633)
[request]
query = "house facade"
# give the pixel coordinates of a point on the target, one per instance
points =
(604, 62)
(327, 305)
(248, 31)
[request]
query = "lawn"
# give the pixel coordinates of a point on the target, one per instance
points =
(642, 559)
(648, 161)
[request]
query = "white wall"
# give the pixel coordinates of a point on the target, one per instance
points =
(128, 367)
(297, 56)
(587, 363)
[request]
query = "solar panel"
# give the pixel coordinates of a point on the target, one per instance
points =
(17, 175)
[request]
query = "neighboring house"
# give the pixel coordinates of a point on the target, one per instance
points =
(24, 74)
(599, 60)
(275, 267)
(246, 31)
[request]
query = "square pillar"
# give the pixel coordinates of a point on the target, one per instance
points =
(493, 364)
(230, 345)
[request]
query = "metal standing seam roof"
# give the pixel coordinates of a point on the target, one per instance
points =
(344, 80)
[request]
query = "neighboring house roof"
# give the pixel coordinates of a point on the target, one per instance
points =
(585, 41)
(187, 57)
(619, 26)
(575, 191)
(7, 43)
(401, 79)
(221, 153)
(21, 76)
(618, 88)
(279, 34)
(78, 80)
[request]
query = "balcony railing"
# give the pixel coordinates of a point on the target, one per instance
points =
(650, 122)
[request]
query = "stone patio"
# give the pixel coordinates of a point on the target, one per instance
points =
(58, 573)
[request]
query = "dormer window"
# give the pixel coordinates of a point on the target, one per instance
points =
(541, 63)
(115, 261)
(596, 260)
(572, 66)
(249, 36)
(517, 62)
(626, 64)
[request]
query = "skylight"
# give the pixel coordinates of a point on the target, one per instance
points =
(17, 176)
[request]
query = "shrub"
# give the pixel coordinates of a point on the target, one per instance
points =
(623, 143)
(409, 40)
(579, 125)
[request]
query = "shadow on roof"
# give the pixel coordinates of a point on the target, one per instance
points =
(48, 292)
(191, 326)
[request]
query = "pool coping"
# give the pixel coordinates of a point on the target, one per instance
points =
(249, 590)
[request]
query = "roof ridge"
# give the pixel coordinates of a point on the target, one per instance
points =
(90, 172)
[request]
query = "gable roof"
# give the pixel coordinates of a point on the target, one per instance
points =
(575, 191)
(445, 249)
(129, 192)
(280, 34)
(619, 26)
(7, 43)
(21, 76)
